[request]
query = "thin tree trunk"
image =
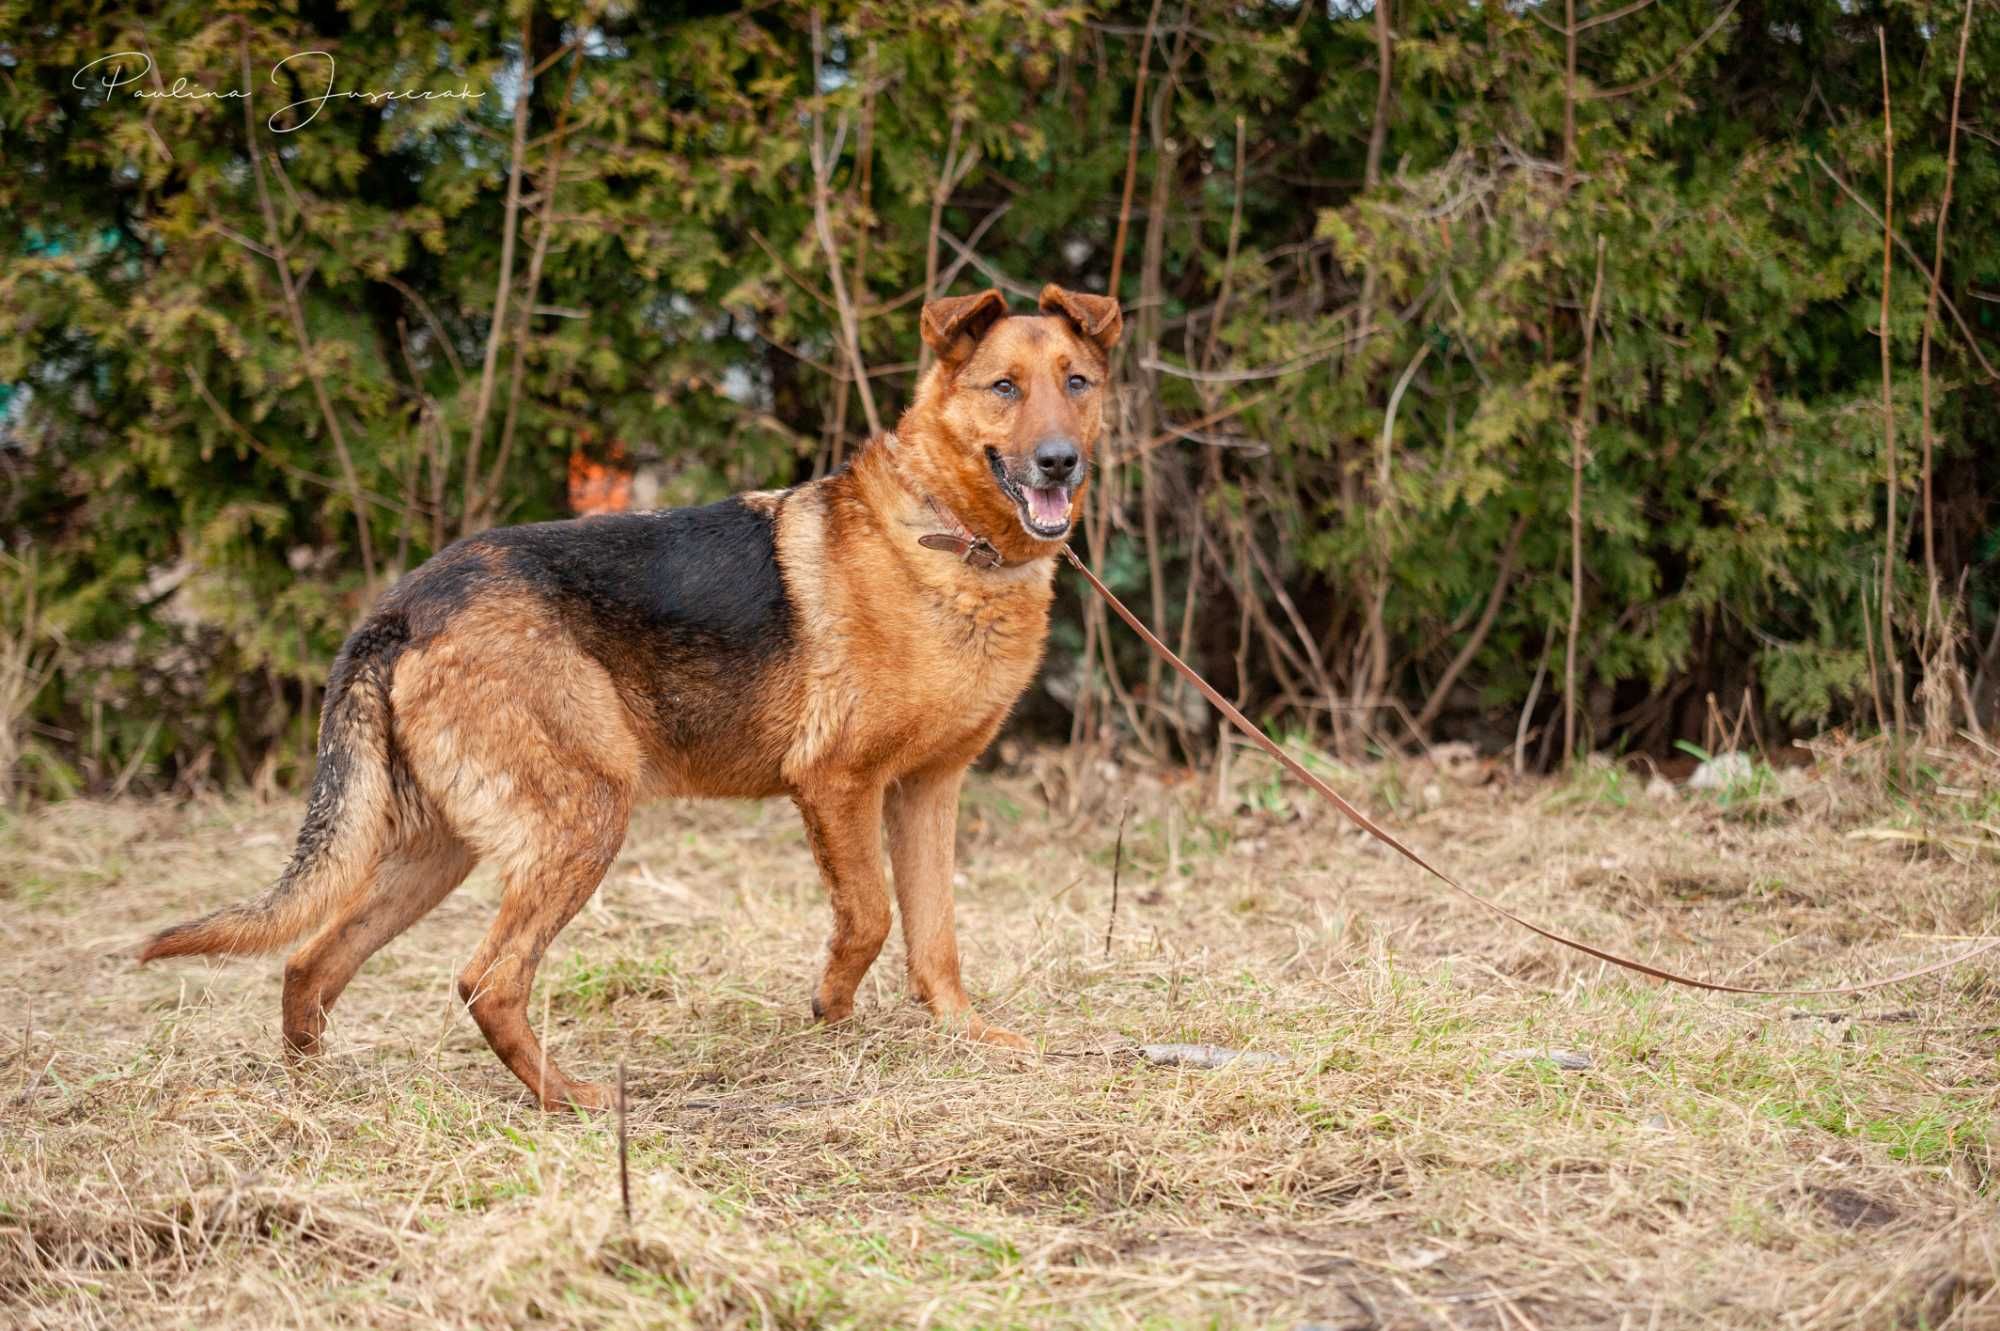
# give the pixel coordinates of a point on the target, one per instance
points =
(1212, 463)
(1099, 531)
(850, 330)
(1528, 707)
(274, 239)
(864, 193)
(1378, 133)
(545, 205)
(864, 152)
(948, 176)
(1132, 152)
(1891, 663)
(1874, 675)
(864, 178)
(1579, 429)
(1220, 313)
(1152, 257)
(1385, 500)
(1569, 94)
(510, 225)
(1370, 678)
(1930, 320)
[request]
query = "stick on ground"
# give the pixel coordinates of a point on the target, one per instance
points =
(624, 1151)
(1117, 863)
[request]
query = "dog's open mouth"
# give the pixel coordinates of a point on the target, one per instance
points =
(1044, 509)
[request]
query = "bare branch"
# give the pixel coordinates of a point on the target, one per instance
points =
(1013, 286)
(1171, 432)
(239, 238)
(1626, 90)
(1596, 20)
(550, 61)
(1902, 245)
(942, 281)
(1302, 361)
(1477, 639)
(1389, 413)
(224, 417)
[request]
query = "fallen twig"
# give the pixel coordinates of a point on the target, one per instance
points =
(624, 1154)
(1117, 863)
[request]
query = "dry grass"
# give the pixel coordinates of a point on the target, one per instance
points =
(1721, 1163)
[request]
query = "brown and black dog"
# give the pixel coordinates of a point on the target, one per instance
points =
(513, 699)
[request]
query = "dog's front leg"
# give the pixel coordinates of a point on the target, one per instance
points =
(923, 823)
(844, 826)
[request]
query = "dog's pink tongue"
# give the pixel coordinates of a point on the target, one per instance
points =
(1048, 507)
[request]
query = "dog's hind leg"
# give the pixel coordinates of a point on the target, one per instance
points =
(527, 749)
(409, 880)
(559, 865)
(844, 827)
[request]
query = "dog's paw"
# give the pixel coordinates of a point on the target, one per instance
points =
(587, 1095)
(831, 1011)
(302, 1046)
(978, 1028)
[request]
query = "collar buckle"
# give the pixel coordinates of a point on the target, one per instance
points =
(977, 552)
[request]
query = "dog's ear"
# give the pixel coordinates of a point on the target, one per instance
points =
(1096, 317)
(952, 324)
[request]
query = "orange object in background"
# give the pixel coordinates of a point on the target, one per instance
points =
(599, 485)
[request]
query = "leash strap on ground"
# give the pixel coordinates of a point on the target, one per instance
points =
(1387, 838)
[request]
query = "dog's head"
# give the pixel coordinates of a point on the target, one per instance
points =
(1012, 412)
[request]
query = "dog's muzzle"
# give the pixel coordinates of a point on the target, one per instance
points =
(1042, 493)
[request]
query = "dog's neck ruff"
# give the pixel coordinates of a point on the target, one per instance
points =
(957, 538)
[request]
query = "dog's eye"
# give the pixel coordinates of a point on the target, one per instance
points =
(1078, 384)
(1006, 388)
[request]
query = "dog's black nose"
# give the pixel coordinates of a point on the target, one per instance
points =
(1056, 459)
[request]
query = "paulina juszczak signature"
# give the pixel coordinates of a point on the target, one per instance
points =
(123, 68)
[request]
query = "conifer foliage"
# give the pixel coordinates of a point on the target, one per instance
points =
(1465, 338)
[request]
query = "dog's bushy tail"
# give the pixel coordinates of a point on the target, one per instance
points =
(347, 817)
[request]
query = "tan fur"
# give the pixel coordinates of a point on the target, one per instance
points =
(514, 744)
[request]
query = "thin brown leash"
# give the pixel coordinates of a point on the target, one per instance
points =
(1387, 838)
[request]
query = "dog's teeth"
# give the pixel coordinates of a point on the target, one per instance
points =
(1048, 507)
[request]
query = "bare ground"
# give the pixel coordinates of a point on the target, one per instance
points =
(1410, 1163)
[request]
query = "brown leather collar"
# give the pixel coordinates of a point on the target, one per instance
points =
(974, 550)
